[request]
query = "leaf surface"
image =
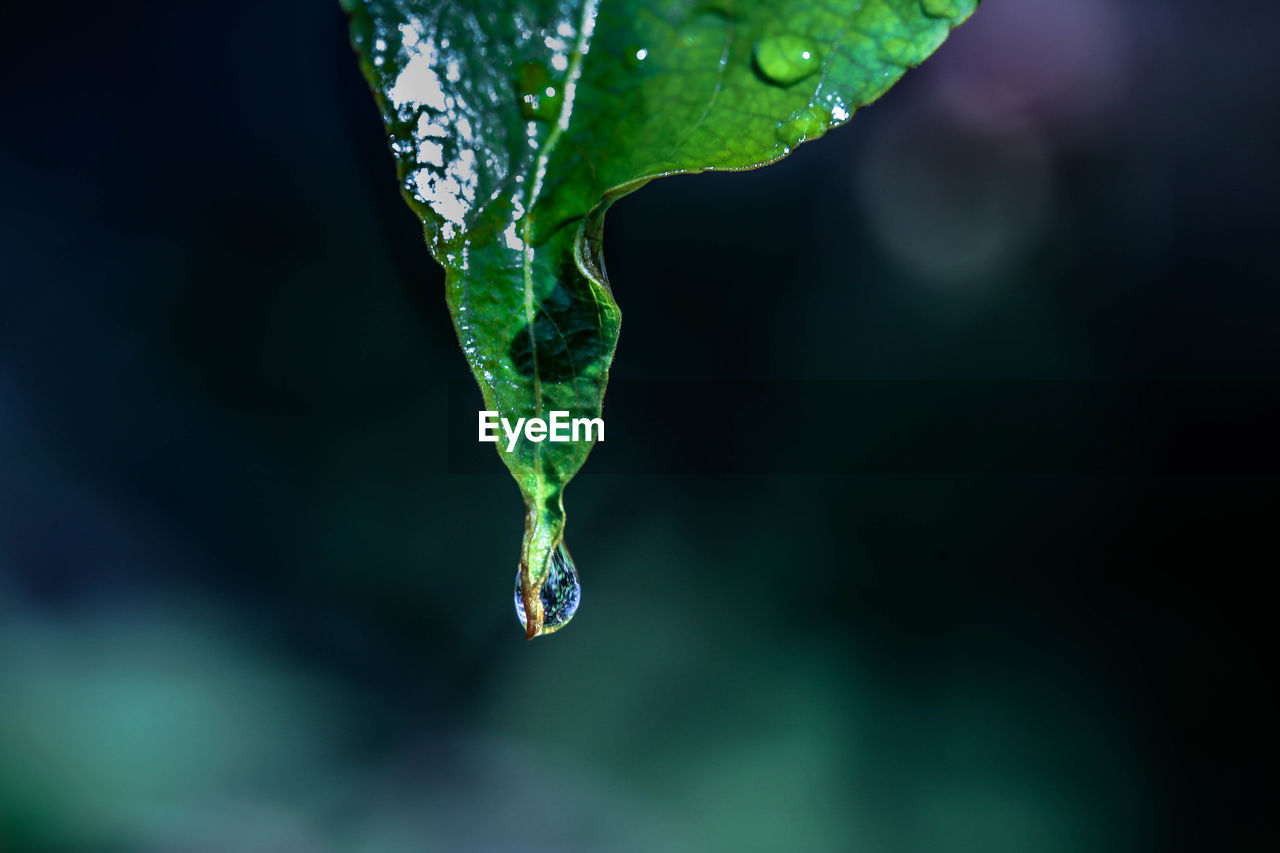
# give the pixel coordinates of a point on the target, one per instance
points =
(516, 123)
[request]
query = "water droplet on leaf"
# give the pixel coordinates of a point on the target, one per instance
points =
(706, 29)
(786, 59)
(809, 124)
(635, 56)
(940, 8)
(560, 593)
(540, 97)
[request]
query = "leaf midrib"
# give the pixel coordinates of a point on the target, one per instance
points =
(586, 26)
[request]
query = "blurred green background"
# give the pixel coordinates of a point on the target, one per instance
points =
(255, 591)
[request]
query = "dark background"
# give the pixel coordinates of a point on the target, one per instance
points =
(937, 510)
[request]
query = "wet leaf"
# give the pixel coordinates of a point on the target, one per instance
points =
(515, 124)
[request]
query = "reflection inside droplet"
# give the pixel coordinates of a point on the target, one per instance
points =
(560, 594)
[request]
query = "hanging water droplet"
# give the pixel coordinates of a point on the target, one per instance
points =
(560, 593)
(786, 59)
(540, 96)
(940, 8)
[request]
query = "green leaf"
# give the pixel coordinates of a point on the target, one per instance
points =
(516, 123)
